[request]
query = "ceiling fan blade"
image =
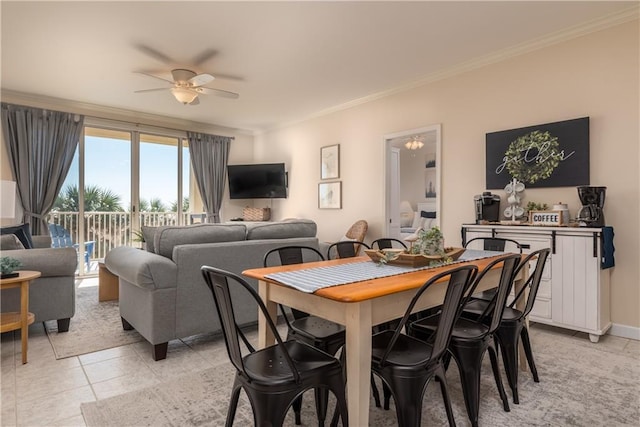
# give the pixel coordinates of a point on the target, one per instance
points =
(204, 56)
(155, 77)
(152, 90)
(156, 54)
(201, 79)
(195, 101)
(219, 92)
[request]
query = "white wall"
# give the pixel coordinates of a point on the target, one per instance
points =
(594, 75)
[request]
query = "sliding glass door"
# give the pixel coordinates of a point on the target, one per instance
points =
(129, 179)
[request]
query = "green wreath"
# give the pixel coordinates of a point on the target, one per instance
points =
(524, 163)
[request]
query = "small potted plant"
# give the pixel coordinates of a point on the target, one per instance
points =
(429, 242)
(8, 266)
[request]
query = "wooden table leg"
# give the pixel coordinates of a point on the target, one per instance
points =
(358, 349)
(24, 323)
(520, 305)
(265, 335)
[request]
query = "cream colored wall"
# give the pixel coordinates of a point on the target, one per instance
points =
(594, 75)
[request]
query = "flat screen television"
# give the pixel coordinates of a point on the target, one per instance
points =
(259, 181)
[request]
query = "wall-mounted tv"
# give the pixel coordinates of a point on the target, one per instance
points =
(260, 181)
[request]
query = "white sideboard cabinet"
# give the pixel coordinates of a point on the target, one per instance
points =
(574, 291)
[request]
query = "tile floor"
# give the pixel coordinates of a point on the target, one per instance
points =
(48, 392)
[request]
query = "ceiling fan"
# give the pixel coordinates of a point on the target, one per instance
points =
(187, 85)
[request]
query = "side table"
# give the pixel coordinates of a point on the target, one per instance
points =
(22, 319)
(107, 284)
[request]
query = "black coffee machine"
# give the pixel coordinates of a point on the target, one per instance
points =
(487, 207)
(591, 213)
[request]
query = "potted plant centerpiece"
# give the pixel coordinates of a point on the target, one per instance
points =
(8, 266)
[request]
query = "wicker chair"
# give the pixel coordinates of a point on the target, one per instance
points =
(358, 230)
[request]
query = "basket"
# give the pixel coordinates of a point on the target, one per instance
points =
(414, 260)
(256, 214)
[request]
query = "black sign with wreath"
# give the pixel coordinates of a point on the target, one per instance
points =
(549, 155)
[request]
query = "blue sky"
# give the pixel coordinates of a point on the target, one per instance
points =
(108, 165)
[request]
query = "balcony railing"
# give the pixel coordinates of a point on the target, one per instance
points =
(111, 229)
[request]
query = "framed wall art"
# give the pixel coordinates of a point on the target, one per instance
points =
(330, 162)
(547, 155)
(330, 195)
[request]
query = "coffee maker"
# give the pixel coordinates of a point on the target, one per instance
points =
(592, 199)
(487, 207)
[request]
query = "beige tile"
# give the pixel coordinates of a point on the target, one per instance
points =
(43, 366)
(53, 408)
(111, 353)
(180, 360)
(53, 382)
(124, 384)
(113, 368)
(8, 415)
(77, 421)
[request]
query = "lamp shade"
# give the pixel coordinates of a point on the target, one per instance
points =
(7, 199)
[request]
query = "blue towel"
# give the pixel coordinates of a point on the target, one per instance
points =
(607, 260)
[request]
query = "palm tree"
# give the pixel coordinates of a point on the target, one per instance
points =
(96, 199)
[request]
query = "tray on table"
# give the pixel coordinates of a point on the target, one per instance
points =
(413, 260)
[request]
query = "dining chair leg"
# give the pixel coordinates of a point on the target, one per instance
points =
(407, 393)
(297, 408)
(496, 374)
(440, 375)
(321, 397)
(469, 363)
(508, 343)
(386, 391)
(526, 343)
(375, 392)
(233, 403)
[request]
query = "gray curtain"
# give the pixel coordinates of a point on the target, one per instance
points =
(41, 145)
(209, 155)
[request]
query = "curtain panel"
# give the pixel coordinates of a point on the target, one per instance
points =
(41, 144)
(209, 155)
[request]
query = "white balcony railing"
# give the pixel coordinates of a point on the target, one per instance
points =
(111, 229)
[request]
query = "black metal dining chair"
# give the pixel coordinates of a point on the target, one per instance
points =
(472, 338)
(496, 244)
(272, 377)
(345, 249)
(388, 243)
(323, 334)
(407, 364)
(513, 325)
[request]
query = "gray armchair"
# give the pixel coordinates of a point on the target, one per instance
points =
(52, 296)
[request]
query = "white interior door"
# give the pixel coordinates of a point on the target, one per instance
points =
(393, 207)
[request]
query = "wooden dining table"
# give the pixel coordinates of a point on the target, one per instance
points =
(359, 306)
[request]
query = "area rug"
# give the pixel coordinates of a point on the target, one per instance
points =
(96, 326)
(581, 384)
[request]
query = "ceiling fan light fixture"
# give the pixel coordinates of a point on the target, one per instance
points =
(414, 144)
(184, 95)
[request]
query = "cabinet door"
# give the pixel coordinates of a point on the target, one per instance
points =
(575, 283)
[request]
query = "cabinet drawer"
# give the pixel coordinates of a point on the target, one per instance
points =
(544, 291)
(542, 308)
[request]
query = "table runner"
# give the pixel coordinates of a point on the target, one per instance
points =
(311, 279)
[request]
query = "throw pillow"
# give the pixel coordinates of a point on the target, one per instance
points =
(22, 232)
(406, 218)
(10, 242)
(425, 214)
(148, 233)
(418, 221)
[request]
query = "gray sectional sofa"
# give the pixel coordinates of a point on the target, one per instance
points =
(162, 292)
(53, 295)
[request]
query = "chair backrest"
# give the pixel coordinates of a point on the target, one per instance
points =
(358, 230)
(60, 237)
(218, 282)
(387, 243)
(288, 255)
(460, 279)
(345, 249)
(496, 306)
(497, 244)
(533, 281)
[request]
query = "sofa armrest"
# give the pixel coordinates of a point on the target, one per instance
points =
(51, 262)
(142, 268)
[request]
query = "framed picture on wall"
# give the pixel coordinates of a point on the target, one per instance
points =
(330, 195)
(330, 162)
(430, 184)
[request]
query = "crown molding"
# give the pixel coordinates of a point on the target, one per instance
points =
(602, 23)
(116, 114)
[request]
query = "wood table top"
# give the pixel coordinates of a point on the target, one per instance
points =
(24, 275)
(367, 289)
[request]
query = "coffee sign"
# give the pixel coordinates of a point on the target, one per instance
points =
(545, 218)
